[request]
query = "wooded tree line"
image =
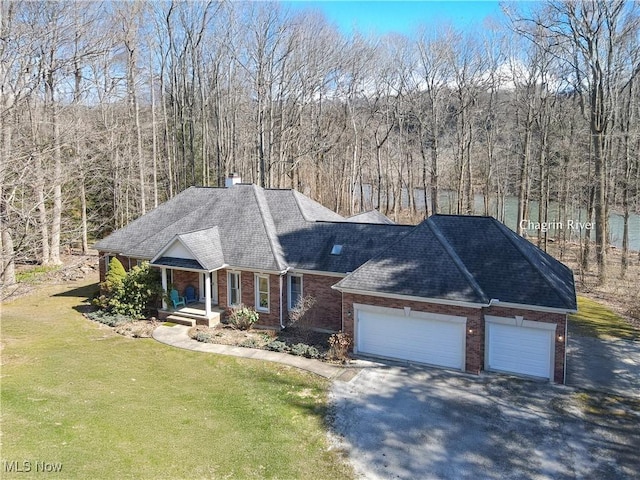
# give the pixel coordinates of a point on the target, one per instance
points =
(108, 109)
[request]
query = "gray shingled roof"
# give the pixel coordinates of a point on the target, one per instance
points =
(308, 231)
(246, 236)
(463, 258)
(372, 216)
(205, 245)
(467, 258)
(310, 247)
(418, 265)
(506, 266)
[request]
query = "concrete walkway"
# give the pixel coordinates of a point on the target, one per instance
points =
(177, 336)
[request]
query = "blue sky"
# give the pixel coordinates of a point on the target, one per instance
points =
(381, 17)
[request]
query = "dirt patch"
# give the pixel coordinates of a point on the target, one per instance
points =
(137, 329)
(73, 268)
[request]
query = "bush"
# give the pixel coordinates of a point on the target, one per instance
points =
(115, 276)
(109, 318)
(304, 350)
(302, 318)
(132, 294)
(339, 346)
(278, 346)
(204, 337)
(250, 343)
(300, 314)
(242, 317)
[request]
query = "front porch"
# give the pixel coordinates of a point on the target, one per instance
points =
(192, 315)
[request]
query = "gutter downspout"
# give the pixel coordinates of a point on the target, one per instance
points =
(281, 325)
(284, 272)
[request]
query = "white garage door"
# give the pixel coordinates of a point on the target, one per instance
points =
(525, 349)
(417, 337)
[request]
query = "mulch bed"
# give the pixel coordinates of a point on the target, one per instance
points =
(260, 338)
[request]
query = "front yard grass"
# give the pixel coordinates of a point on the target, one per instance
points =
(106, 406)
(595, 320)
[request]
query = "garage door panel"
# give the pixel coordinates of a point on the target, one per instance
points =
(414, 339)
(521, 350)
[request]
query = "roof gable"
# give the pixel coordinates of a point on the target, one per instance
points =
(202, 246)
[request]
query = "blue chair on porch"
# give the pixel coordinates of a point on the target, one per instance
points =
(176, 299)
(190, 294)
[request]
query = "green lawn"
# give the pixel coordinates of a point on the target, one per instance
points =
(595, 320)
(106, 406)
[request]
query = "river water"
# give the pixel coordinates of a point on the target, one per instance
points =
(573, 228)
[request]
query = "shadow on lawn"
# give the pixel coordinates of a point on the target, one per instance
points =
(84, 293)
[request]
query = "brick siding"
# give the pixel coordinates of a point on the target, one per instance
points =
(247, 293)
(475, 334)
(326, 313)
(126, 262)
(334, 311)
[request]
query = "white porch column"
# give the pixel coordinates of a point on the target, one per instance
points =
(207, 294)
(164, 286)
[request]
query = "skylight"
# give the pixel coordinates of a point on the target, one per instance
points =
(336, 250)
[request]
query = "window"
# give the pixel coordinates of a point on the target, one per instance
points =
(336, 250)
(169, 277)
(295, 290)
(234, 288)
(107, 259)
(262, 293)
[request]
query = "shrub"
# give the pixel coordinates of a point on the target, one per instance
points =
(299, 349)
(115, 276)
(250, 343)
(109, 318)
(304, 350)
(339, 346)
(204, 337)
(278, 346)
(301, 317)
(132, 295)
(300, 313)
(242, 317)
(312, 352)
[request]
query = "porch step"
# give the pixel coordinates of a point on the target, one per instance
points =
(181, 320)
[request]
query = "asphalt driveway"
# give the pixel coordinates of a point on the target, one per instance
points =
(411, 422)
(604, 365)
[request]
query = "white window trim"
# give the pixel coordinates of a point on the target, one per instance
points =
(290, 276)
(257, 278)
(229, 273)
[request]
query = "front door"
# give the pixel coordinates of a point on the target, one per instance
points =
(214, 287)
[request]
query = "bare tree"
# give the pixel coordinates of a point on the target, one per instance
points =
(594, 36)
